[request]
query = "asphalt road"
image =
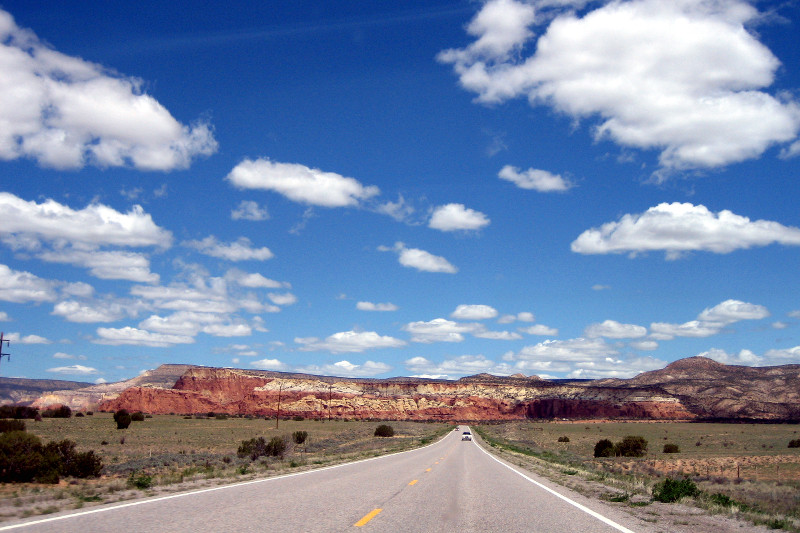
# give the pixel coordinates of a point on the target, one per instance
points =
(452, 486)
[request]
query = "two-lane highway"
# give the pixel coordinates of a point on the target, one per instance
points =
(452, 485)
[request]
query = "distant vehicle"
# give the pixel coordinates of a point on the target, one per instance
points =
(466, 436)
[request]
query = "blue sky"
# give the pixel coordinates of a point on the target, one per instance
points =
(566, 189)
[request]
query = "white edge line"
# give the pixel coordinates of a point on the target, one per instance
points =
(556, 494)
(223, 487)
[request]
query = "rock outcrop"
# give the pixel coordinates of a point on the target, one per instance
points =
(202, 390)
(714, 390)
(690, 388)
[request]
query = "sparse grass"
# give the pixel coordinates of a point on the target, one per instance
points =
(177, 453)
(768, 483)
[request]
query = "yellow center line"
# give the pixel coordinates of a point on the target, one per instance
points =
(436, 463)
(372, 514)
(428, 470)
(413, 482)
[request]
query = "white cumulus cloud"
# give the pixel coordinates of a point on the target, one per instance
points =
(678, 228)
(535, 179)
(685, 78)
(420, 259)
(300, 183)
(614, 330)
(369, 306)
(349, 341)
(474, 312)
(75, 370)
(239, 250)
(457, 217)
(65, 112)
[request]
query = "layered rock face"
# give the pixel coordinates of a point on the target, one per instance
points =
(715, 390)
(686, 389)
(201, 390)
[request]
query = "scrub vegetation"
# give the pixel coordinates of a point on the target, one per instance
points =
(737, 470)
(166, 453)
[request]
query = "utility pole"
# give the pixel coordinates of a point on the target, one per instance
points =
(278, 416)
(7, 343)
(330, 391)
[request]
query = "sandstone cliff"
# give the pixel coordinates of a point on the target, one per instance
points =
(232, 391)
(686, 389)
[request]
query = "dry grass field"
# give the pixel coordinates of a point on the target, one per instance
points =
(749, 463)
(170, 453)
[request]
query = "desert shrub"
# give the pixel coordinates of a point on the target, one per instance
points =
(140, 480)
(299, 437)
(23, 458)
(18, 411)
(631, 446)
(211, 414)
(276, 446)
(563, 439)
(138, 416)
(89, 413)
(79, 415)
(721, 500)
(221, 416)
(253, 448)
(672, 448)
(794, 443)
(604, 448)
(59, 412)
(298, 418)
(384, 430)
(671, 490)
(123, 419)
(11, 425)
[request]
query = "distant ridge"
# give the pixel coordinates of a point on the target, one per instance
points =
(695, 387)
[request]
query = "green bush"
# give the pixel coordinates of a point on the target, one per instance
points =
(721, 500)
(18, 411)
(384, 430)
(123, 419)
(299, 437)
(23, 459)
(604, 448)
(794, 443)
(672, 448)
(276, 446)
(253, 448)
(138, 416)
(563, 439)
(59, 412)
(140, 481)
(631, 446)
(11, 425)
(671, 490)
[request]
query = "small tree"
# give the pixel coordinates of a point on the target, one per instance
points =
(563, 439)
(122, 418)
(384, 430)
(299, 437)
(631, 446)
(794, 443)
(604, 448)
(276, 446)
(672, 448)
(138, 416)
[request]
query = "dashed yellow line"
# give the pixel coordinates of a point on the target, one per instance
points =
(428, 470)
(372, 514)
(413, 482)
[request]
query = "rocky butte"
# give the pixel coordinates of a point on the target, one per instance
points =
(690, 388)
